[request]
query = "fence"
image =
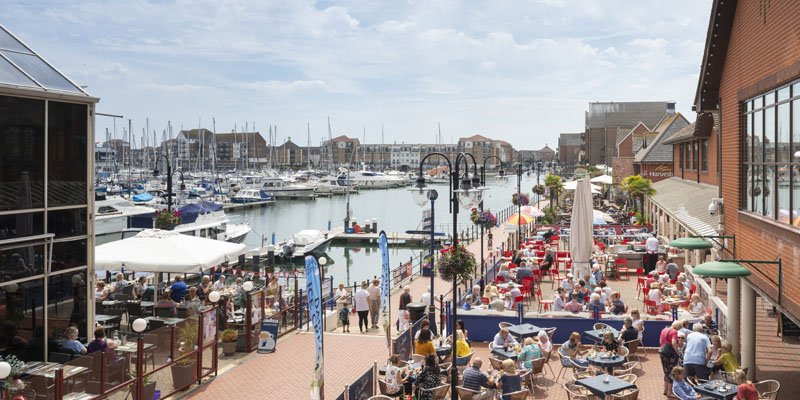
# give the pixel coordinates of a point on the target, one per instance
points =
(719, 310)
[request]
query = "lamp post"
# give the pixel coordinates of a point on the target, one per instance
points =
(421, 195)
(169, 180)
(519, 194)
(467, 193)
(480, 206)
(139, 325)
(538, 172)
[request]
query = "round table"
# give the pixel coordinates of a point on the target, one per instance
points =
(603, 360)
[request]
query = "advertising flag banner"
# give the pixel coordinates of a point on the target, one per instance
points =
(386, 312)
(315, 316)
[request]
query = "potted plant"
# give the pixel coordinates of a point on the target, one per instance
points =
(167, 220)
(456, 263)
(184, 372)
(520, 199)
(229, 337)
(13, 382)
(148, 388)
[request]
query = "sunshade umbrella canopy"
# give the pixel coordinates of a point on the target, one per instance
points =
(154, 250)
(690, 243)
(520, 219)
(602, 179)
(598, 215)
(532, 211)
(581, 243)
(571, 185)
(721, 269)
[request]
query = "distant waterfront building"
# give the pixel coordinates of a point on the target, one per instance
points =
(339, 151)
(545, 154)
(240, 150)
(608, 122)
(195, 149)
(46, 203)
(569, 148)
(654, 160)
(289, 154)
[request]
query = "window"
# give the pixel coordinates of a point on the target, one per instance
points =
(687, 156)
(680, 155)
(704, 155)
(22, 154)
(695, 155)
(771, 172)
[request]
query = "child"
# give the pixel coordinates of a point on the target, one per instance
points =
(344, 317)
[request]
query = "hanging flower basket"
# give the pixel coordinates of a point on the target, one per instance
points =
(521, 199)
(167, 220)
(539, 189)
(484, 219)
(456, 265)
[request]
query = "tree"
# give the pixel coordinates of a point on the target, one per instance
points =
(638, 187)
(555, 186)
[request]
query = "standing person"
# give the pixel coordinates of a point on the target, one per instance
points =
(361, 303)
(344, 317)
(405, 298)
(670, 358)
(697, 353)
(651, 247)
(374, 301)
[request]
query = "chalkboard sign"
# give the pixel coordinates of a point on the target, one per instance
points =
(788, 327)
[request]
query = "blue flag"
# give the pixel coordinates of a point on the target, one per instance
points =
(386, 312)
(315, 315)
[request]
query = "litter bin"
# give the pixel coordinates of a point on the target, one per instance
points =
(416, 311)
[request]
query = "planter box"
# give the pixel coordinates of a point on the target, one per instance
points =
(148, 393)
(183, 375)
(229, 348)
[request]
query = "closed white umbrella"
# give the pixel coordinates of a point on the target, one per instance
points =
(580, 241)
(571, 185)
(154, 250)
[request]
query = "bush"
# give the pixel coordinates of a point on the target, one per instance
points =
(229, 336)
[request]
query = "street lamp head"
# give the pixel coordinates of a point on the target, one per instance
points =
(155, 173)
(419, 192)
(322, 261)
(433, 194)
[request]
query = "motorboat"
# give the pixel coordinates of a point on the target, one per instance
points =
(246, 196)
(336, 185)
(375, 180)
(203, 219)
(281, 189)
(304, 243)
(112, 214)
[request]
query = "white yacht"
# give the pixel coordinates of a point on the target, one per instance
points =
(374, 180)
(112, 214)
(281, 189)
(246, 196)
(303, 243)
(335, 185)
(202, 219)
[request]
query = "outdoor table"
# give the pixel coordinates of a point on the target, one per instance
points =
(606, 360)
(503, 354)
(673, 303)
(598, 385)
(712, 389)
(167, 320)
(597, 335)
(443, 350)
(101, 318)
(48, 369)
(147, 304)
(523, 331)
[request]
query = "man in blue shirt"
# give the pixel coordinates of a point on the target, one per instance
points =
(178, 289)
(697, 353)
(476, 380)
(503, 339)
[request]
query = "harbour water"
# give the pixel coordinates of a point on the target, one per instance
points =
(393, 208)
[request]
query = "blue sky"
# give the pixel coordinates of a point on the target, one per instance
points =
(522, 71)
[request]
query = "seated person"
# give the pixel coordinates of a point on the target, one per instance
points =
(508, 276)
(475, 380)
(513, 291)
(558, 300)
(696, 306)
(567, 283)
(518, 255)
(709, 325)
(431, 376)
(178, 289)
(548, 260)
(530, 351)
(595, 303)
(496, 303)
(490, 289)
(167, 302)
(100, 343)
(100, 293)
(746, 389)
(544, 342)
(140, 287)
(672, 270)
(503, 339)
(573, 305)
(219, 285)
(597, 274)
(727, 360)
(617, 306)
(589, 282)
(462, 347)
(609, 343)
(584, 288)
(572, 349)
(424, 344)
(473, 298)
(652, 278)
(396, 377)
(524, 271)
(655, 296)
(680, 291)
(576, 295)
(192, 302)
(680, 387)
(529, 251)
(510, 381)
(661, 265)
(629, 332)
(120, 284)
(605, 288)
(72, 344)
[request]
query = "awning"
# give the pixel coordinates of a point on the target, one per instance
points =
(687, 202)
(721, 269)
(690, 243)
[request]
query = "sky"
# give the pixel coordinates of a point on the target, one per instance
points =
(520, 71)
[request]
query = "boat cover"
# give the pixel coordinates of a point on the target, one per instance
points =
(307, 236)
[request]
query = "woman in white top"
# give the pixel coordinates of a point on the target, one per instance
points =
(100, 293)
(544, 342)
(219, 285)
(395, 376)
(696, 306)
(637, 322)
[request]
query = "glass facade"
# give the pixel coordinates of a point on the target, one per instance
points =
(771, 132)
(44, 217)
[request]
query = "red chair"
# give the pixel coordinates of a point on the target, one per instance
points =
(646, 291)
(622, 268)
(517, 300)
(545, 305)
(508, 254)
(650, 305)
(501, 279)
(539, 253)
(512, 266)
(692, 289)
(640, 280)
(485, 300)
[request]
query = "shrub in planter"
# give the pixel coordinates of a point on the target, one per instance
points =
(184, 372)
(229, 338)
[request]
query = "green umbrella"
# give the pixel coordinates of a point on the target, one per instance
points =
(691, 243)
(721, 269)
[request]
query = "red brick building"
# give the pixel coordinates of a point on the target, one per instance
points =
(750, 79)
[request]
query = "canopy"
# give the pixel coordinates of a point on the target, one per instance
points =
(571, 185)
(532, 211)
(690, 243)
(581, 243)
(601, 218)
(154, 250)
(721, 269)
(603, 179)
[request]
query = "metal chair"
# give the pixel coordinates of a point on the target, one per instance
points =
(463, 362)
(626, 368)
(164, 312)
(575, 392)
(633, 349)
(417, 358)
(134, 311)
(496, 363)
(438, 393)
(384, 389)
(380, 397)
(466, 394)
(600, 326)
(627, 394)
(520, 395)
(768, 389)
(502, 325)
(60, 358)
(630, 378)
(537, 368)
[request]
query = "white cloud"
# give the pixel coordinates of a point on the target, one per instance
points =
(657, 43)
(286, 86)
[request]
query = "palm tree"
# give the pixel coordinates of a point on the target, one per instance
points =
(555, 186)
(638, 187)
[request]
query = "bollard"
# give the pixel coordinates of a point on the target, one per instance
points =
(375, 225)
(273, 238)
(329, 225)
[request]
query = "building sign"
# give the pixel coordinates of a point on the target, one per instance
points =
(661, 171)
